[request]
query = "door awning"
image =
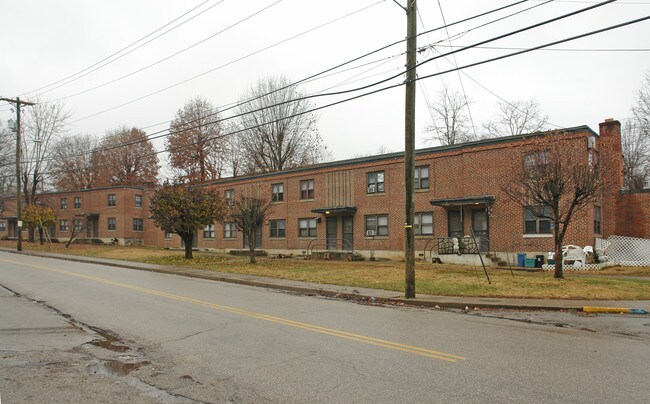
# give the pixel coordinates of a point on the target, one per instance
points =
(336, 210)
(467, 200)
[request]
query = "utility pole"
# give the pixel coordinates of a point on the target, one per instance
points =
(19, 221)
(409, 149)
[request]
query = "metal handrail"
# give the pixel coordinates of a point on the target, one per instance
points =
(475, 245)
(323, 241)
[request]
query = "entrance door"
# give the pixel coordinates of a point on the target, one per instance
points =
(455, 223)
(480, 228)
(12, 228)
(330, 232)
(348, 233)
(258, 237)
(92, 228)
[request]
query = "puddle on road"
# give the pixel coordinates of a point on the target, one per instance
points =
(115, 367)
(108, 342)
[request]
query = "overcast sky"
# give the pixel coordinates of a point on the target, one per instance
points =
(45, 42)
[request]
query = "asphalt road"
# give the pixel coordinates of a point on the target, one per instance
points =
(211, 342)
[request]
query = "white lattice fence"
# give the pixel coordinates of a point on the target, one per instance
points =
(628, 251)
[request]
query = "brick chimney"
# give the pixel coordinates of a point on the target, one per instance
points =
(611, 161)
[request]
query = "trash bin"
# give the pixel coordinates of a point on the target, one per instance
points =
(529, 262)
(520, 259)
(539, 261)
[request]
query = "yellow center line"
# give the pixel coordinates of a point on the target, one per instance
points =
(279, 320)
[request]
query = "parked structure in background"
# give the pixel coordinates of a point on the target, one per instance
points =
(357, 205)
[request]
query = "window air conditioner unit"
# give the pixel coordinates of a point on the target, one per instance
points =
(591, 142)
(370, 233)
(372, 189)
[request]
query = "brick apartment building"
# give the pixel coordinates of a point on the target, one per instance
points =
(358, 204)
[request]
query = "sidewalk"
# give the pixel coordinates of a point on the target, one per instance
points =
(353, 293)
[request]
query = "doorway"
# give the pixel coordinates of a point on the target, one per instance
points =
(480, 227)
(331, 224)
(258, 237)
(348, 233)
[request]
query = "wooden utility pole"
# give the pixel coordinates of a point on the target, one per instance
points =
(19, 221)
(409, 149)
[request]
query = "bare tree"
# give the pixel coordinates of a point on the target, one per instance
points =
(247, 214)
(449, 113)
(127, 157)
(74, 164)
(279, 133)
(636, 155)
(641, 106)
(196, 149)
(517, 118)
(76, 226)
(7, 159)
(45, 123)
(635, 139)
(235, 160)
(557, 180)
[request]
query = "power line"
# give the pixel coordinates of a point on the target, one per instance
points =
(560, 49)
(313, 75)
(423, 62)
(172, 55)
(462, 86)
(598, 31)
(106, 59)
(228, 63)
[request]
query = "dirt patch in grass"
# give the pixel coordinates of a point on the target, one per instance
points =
(432, 279)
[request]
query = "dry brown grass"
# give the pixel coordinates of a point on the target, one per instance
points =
(436, 279)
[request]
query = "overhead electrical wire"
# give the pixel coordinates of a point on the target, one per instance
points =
(106, 59)
(285, 40)
(230, 62)
(564, 40)
(151, 137)
(306, 79)
(172, 55)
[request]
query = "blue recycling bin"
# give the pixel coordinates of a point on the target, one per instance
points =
(521, 259)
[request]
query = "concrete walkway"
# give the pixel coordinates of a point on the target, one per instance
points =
(353, 293)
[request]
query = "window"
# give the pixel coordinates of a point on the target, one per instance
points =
(77, 202)
(535, 163)
(64, 203)
(597, 220)
(138, 224)
(138, 201)
(375, 182)
(168, 235)
(377, 225)
(208, 231)
(3, 226)
(63, 225)
(307, 189)
(230, 197)
(229, 230)
(78, 225)
(277, 192)
(111, 223)
(423, 224)
(278, 228)
(111, 199)
(422, 177)
(537, 220)
(306, 227)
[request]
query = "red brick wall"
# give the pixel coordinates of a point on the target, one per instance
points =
(633, 214)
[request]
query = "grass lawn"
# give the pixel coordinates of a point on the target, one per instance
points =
(433, 279)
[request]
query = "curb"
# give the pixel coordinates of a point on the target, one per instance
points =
(432, 302)
(618, 310)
